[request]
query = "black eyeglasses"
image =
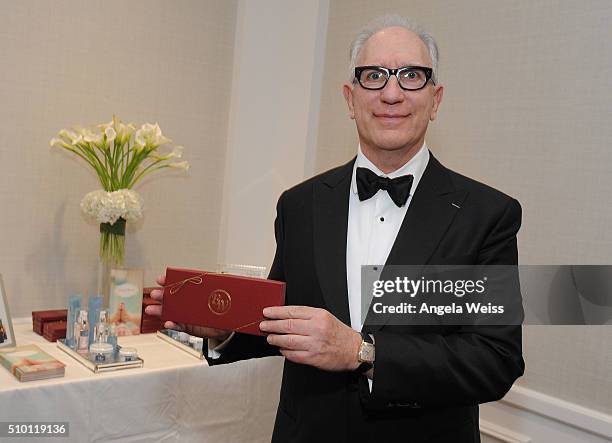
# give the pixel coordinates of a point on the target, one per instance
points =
(409, 78)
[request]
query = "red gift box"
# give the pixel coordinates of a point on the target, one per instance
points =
(222, 301)
(39, 318)
(53, 331)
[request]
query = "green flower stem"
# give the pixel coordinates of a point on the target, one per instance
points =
(83, 157)
(145, 173)
(96, 163)
(125, 159)
(137, 159)
(105, 169)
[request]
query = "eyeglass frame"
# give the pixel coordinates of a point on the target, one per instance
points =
(389, 72)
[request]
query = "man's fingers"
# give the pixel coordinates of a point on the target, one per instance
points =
(287, 326)
(281, 312)
(204, 331)
(157, 294)
(289, 341)
(176, 326)
(296, 356)
(155, 310)
(161, 280)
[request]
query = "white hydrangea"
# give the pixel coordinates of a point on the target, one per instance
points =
(108, 207)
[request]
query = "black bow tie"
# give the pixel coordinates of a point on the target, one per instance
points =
(368, 184)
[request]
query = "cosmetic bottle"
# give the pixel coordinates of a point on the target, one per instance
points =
(101, 329)
(74, 306)
(112, 338)
(76, 333)
(94, 305)
(83, 346)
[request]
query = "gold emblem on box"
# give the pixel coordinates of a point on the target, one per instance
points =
(219, 302)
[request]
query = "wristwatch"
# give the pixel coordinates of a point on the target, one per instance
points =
(366, 353)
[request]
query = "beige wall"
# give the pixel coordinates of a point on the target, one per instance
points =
(73, 62)
(272, 132)
(527, 110)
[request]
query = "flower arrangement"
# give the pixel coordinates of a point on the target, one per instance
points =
(121, 156)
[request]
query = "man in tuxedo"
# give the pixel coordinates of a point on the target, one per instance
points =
(393, 204)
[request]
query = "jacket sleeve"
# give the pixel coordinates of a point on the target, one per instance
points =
(470, 365)
(246, 346)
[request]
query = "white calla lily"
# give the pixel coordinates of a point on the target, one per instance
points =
(70, 136)
(179, 165)
(124, 132)
(90, 136)
(57, 143)
(111, 134)
(150, 135)
(177, 152)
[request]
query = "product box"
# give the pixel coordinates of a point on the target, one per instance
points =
(55, 330)
(221, 301)
(29, 362)
(39, 318)
(125, 305)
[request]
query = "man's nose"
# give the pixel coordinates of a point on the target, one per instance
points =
(392, 92)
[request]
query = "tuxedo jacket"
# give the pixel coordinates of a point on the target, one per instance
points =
(428, 380)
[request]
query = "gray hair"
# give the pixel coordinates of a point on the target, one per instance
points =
(390, 21)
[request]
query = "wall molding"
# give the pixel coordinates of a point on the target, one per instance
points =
(572, 414)
(502, 433)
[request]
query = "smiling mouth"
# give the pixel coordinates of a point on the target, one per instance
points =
(391, 117)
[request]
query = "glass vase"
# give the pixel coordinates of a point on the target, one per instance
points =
(112, 254)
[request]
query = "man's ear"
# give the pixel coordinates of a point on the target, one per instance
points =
(347, 91)
(437, 99)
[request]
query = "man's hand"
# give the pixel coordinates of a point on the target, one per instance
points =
(312, 336)
(200, 331)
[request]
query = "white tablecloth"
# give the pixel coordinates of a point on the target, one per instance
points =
(173, 398)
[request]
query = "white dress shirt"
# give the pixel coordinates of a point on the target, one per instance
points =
(373, 225)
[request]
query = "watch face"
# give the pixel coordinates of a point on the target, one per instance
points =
(366, 352)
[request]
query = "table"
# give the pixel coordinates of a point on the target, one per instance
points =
(174, 397)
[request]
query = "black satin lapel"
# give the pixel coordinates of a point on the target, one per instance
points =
(424, 225)
(331, 204)
(431, 211)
